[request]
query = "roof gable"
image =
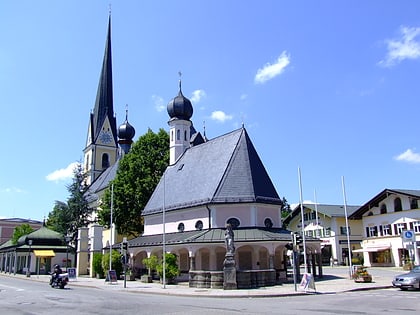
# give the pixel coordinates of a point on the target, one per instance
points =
(327, 210)
(374, 202)
(226, 169)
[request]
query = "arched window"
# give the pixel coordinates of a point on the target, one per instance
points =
(181, 227)
(383, 208)
(105, 160)
(178, 134)
(199, 225)
(234, 223)
(268, 223)
(172, 135)
(370, 214)
(397, 204)
(185, 135)
(413, 204)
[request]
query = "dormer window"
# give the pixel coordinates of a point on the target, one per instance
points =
(181, 227)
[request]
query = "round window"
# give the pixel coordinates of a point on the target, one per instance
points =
(199, 225)
(234, 223)
(268, 223)
(181, 227)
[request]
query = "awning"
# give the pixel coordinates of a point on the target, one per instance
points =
(44, 253)
(371, 249)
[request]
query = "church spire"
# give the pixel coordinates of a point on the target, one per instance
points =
(104, 105)
(101, 145)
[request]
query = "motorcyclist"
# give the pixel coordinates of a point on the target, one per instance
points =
(57, 272)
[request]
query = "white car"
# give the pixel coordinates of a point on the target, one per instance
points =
(408, 280)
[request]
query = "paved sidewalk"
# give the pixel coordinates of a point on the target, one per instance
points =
(335, 280)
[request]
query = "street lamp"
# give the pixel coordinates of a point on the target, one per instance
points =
(68, 239)
(28, 265)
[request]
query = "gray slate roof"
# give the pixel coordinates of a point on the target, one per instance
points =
(226, 169)
(104, 104)
(102, 182)
(328, 210)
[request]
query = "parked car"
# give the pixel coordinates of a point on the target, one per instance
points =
(408, 280)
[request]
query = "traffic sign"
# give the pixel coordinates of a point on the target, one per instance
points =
(408, 236)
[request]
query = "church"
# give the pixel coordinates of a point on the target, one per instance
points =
(208, 184)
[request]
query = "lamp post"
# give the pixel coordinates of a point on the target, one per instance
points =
(28, 265)
(68, 239)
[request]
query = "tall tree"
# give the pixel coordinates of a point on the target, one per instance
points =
(21, 230)
(138, 173)
(60, 218)
(67, 218)
(285, 208)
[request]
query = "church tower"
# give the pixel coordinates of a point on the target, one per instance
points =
(180, 111)
(101, 145)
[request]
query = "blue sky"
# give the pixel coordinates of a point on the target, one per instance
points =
(328, 86)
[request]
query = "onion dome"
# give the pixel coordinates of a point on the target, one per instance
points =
(125, 130)
(180, 107)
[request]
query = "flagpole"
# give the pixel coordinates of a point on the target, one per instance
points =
(347, 226)
(110, 229)
(303, 221)
(316, 214)
(163, 235)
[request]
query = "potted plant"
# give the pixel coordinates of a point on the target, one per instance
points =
(361, 275)
(151, 264)
(171, 268)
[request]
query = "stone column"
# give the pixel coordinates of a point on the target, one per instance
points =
(229, 273)
(192, 263)
(271, 261)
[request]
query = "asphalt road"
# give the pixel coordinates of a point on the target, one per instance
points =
(19, 296)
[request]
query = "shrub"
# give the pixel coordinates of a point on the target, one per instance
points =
(151, 263)
(171, 267)
(115, 262)
(97, 264)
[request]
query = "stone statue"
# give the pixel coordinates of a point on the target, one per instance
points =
(229, 239)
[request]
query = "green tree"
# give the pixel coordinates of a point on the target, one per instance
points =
(21, 230)
(116, 263)
(60, 218)
(285, 208)
(138, 173)
(67, 218)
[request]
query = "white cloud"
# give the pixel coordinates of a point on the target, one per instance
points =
(63, 173)
(405, 47)
(270, 71)
(13, 190)
(159, 103)
(409, 156)
(220, 116)
(243, 97)
(197, 95)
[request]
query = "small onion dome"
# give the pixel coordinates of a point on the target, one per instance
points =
(180, 107)
(125, 130)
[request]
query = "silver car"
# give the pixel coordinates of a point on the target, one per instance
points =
(408, 280)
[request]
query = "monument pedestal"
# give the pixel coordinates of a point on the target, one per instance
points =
(229, 273)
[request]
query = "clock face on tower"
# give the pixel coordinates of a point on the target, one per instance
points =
(105, 137)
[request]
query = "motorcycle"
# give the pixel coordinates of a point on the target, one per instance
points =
(59, 281)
